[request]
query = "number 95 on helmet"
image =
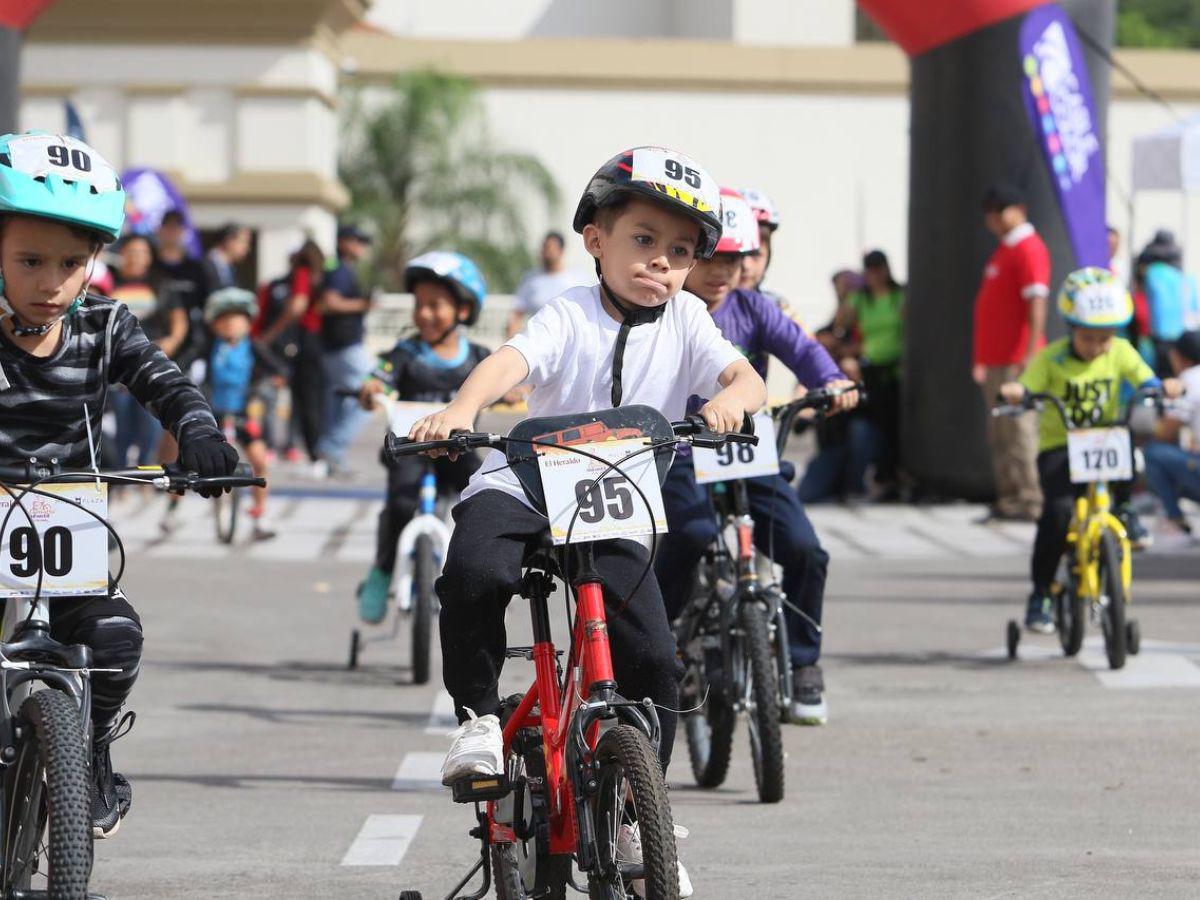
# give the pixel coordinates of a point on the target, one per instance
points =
(661, 176)
(1094, 298)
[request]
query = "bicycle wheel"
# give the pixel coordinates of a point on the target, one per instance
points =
(47, 797)
(766, 740)
(709, 729)
(424, 573)
(225, 514)
(1113, 603)
(1069, 613)
(632, 794)
(526, 868)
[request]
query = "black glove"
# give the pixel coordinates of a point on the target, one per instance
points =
(208, 457)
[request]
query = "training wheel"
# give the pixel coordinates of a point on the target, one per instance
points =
(1133, 637)
(355, 642)
(1012, 638)
(410, 895)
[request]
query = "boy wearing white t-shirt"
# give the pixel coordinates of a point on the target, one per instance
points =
(646, 216)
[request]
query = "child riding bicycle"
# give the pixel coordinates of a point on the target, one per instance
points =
(1086, 370)
(448, 294)
(60, 349)
(758, 328)
(646, 216)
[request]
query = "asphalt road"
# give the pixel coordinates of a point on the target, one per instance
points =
(262, 768)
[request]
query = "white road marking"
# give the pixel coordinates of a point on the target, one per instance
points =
(382, 841)
(1158, 665)
(442, 719)
(419, 771)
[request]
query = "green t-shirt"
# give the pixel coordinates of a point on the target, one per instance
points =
(1090, 390)
(881, 321)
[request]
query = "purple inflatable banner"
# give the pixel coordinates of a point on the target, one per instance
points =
(1058, 98)
(149, 195)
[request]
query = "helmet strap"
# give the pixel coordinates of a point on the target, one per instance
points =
(19, 330)
(631, 316)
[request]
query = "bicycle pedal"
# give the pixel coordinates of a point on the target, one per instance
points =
(477, 788)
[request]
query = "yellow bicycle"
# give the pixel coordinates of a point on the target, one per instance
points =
(1096, 574)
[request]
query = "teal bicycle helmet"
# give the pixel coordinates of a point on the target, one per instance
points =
(52, 176)
(455, 270)
(230, 300)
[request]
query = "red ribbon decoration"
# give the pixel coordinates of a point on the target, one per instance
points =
(920, 25)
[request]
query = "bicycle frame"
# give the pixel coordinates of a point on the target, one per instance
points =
(426, 521)
(570, 725)
(1092, 517)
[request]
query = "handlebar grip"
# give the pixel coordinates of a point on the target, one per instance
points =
(395, 446)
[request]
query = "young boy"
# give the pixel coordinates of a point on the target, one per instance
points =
(758, 328)
(448, 293)
(237, 364)
(645, 217)
(755, 262)
(1086, 369)
(60, 349)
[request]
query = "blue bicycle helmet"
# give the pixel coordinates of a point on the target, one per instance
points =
(52, 176)
(453, 269)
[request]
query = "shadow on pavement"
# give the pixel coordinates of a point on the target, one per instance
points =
(327, 673)
(287, 716)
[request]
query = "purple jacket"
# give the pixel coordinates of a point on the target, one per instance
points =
(758, 328)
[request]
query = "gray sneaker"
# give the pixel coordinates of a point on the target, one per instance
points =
(808, 696)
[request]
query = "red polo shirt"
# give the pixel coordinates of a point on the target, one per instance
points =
(1018, 271)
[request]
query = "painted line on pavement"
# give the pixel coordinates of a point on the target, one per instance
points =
(419, 771)
(1159, 665)
(382, 841)
(442, 719)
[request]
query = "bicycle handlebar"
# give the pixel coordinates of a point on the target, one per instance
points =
(165, 479)
(1036, 401)
(820, 399)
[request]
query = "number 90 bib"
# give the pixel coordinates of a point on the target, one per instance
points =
(68, 544)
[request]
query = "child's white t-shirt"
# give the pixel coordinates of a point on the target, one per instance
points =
(569, 347)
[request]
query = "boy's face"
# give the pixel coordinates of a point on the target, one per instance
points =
(647, 254)
(713, 279)
(1090, 343)
(231, 326)
(435, 310)
(754, 265)
(45, 267)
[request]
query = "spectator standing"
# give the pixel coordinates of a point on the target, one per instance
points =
(1010, 328)
(876, 313)
(540, 286)
(343, 305)
(180, 275)
(1170, 294)
(232, 246)
(164, 322)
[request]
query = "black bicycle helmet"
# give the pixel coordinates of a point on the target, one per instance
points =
(663, 176)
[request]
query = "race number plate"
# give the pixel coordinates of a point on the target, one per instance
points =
(38, 155)
(1100, 454)
(734, 461)
(70, 545)
(403, 414)
(612, 508)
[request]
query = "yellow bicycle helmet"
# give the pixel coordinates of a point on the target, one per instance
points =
(1095, 298)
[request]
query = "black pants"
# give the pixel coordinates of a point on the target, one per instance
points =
(308, 392)
(111, 627)
(883, 409)
(403, 497)
(1058, 505)
(483, 570)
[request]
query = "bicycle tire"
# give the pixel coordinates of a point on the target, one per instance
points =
(1114, 611)
(225, 515)
(766, 737)
(709, 731)
(48, 790)
(1069, 613)
(424, 600)
(630, 778)
(548, 873)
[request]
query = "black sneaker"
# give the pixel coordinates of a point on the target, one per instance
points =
(1039, 613)
(1139, 536)
(808, 696)
(112, 794)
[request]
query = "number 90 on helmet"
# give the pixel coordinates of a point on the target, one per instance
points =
(454, 270)
(1094, 298)
(661, 176)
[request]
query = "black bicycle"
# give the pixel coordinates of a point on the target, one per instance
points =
(732, 636)
(45, 687)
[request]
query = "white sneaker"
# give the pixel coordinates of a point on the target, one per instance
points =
(629, 850)
(478, 749)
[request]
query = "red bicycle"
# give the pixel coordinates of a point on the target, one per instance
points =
(582, 778)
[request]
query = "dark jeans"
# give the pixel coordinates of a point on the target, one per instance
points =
(777, 513)
(840, 466)
(111, 627)
(482, 574)
(883, 410)
(403, 497)
(1172, 473)
(308, 393)
(1058, 505)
